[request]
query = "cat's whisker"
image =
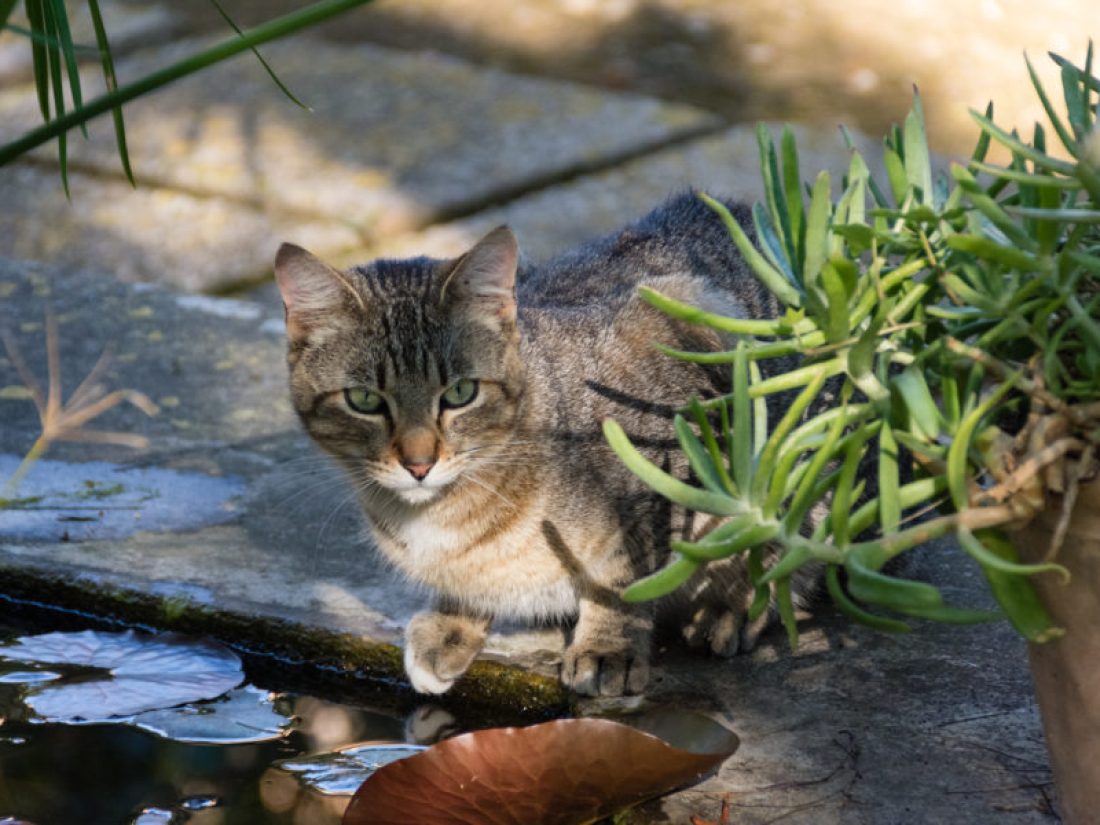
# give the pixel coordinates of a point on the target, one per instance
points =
(471, 476)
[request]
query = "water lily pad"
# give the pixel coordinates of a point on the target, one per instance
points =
(143, 673)
(557, 773)
(343, 771)
(28, 677)
(245, 715)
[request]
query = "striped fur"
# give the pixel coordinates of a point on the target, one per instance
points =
(525, 512)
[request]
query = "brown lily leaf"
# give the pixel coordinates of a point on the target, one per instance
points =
(566, 772)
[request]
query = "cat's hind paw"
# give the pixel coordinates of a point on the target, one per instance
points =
(596, 672)
(724, 631)
(439, 648)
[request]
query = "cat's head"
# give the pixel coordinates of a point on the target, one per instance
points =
(408, 372)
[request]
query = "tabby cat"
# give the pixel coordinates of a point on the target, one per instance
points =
(465, 397)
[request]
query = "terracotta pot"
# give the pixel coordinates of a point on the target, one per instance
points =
(1066, 671)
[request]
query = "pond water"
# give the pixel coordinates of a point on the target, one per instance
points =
(86, 771)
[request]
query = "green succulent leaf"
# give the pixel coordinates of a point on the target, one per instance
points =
(693, 498)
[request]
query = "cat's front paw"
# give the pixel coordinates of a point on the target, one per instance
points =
(604, 671)
(439, 648)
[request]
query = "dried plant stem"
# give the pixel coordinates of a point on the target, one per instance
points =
(40, 446)
(1073, 484)
(1031, 467)
(61, 421)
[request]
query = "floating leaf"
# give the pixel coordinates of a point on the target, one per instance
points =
(342, 771)
(244, 715)
(558, 773)
(144, 673)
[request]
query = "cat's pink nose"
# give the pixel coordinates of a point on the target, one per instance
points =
(419, 469)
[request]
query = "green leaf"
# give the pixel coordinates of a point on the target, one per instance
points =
(888, 486)
(40, 62)
(981, 148)
(6, 8)
(1017, 146)
(804, 496)
(909, 495)
(761, 592)
(918, 168)
(1042, 181)
(790, 561)
(53, 59)
(923, 413)
(858, 236)
(792, 189)
(817, 227)
(759, 412)
(786, 611)
(1055, 121)
(773, 192)
(701, 461)
(742, 421)
(769, 241)
(1058, 215)
(861, 356)
(856, 613)
(672, 488)
(959, 450)
(993, 251)
(112, 85)
(836, 304)
(704, 551)
(868, 585)
(60, 19)
(794, 413)
(1076, 107)
(271, 72)
(661, 583)
(844, 495)
(1002, 562)
(699, 413)
(771, 277)
(895, 174)
(1015, 593)
(694, 315)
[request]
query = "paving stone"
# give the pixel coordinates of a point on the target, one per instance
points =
(149, 233)
(560, 217)
(392, 140)
(129, 26)
(856, 727)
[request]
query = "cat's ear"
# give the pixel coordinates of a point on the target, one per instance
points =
(484, 279)
(312, 290)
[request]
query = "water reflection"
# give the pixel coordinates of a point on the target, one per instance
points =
(105, 774)
(208, 764)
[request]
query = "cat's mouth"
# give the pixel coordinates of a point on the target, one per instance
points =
(420, 494)
(418, 490)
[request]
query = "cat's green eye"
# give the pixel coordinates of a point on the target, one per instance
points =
(460, 393)
(365, 401)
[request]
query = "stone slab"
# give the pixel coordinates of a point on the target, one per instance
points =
(560, 217)
(856, 727)
(216, 367)
(391, 140)
(150, 234)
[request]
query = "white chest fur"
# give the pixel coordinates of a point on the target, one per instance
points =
(514, 574)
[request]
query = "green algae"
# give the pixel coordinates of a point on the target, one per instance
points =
(350, 664)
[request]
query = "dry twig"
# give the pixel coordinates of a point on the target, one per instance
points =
(65, 421)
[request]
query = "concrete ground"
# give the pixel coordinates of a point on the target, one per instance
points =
(229, 523)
